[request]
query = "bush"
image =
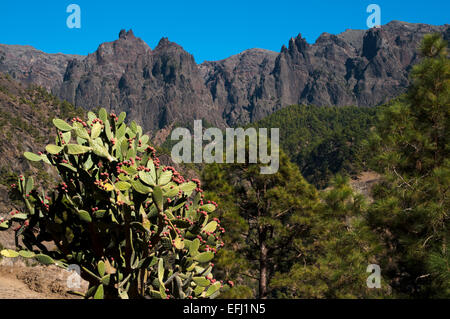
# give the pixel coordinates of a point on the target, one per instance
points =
(136, 228)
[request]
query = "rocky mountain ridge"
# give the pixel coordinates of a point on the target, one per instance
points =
(164, 86)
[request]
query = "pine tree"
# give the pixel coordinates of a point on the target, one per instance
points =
(265, 216)
(285, 240)
(412, 203)
(229, 262)
(338, 253)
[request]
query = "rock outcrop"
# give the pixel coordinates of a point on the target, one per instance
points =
(155, 87)
(356, 67)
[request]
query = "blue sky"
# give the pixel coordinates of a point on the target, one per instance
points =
(210, 30)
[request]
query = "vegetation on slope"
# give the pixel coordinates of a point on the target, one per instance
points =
(323, 141)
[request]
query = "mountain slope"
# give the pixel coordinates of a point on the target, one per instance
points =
(25, 126)
(323, 141)
(31, 66)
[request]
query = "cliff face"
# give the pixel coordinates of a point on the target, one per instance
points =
(155, 87)
(357, 67)
(234, 82)
(164, 86)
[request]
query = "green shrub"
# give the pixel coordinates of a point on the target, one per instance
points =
(135, 227)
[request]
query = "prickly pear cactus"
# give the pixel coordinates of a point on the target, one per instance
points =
(136, 228)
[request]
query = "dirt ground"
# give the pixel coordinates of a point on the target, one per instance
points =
(364, 183)
(21, 281)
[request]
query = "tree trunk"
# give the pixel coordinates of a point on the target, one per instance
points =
(262, 265)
